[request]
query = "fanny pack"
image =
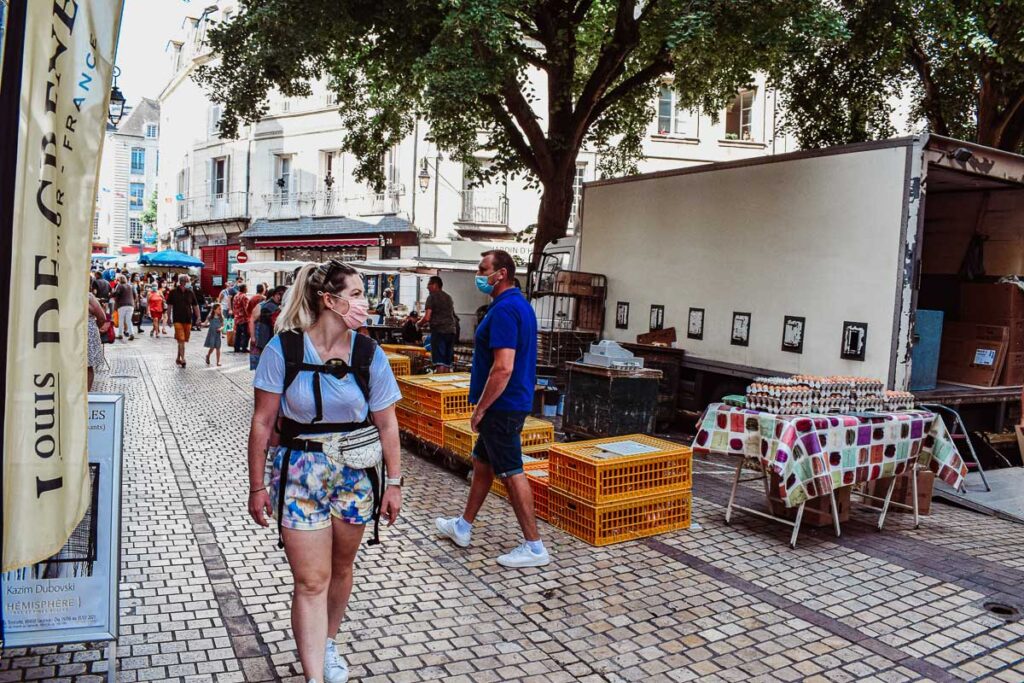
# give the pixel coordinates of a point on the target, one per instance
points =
(360, 449)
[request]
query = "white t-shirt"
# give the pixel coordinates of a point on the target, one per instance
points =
(342, 398)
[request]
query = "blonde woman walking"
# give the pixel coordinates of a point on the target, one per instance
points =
(331, 393)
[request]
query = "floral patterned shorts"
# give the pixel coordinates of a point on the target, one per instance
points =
(318, 488)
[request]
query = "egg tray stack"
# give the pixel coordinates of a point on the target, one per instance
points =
(814, 394)
(604, 497)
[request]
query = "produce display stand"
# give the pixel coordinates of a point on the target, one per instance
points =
(815, 455)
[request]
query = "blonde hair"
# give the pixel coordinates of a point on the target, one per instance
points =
(301, 308)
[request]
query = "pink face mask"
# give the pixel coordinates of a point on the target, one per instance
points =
(357, 313)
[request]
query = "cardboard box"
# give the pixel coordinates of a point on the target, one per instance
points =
(1013, 372)
(901, 491)
(817, 511)
(988, 303)
(980, 331)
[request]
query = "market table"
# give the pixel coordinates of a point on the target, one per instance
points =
(815, 454)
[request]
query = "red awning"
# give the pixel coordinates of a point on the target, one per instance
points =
(317, 242)
(134, 249)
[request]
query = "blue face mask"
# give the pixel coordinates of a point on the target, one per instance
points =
(483, 285)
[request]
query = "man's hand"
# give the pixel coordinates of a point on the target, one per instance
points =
(391, 504)
(474, 421)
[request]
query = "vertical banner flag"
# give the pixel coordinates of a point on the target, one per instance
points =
(65, 86)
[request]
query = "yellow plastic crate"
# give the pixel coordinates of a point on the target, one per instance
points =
(408, 420)
(460, 439)
(431, 429)
(622, 521)
(406, 349)
(446, 398)
(400, 365)
(537, 476)
(591, 474)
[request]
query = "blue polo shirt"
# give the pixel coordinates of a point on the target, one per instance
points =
(510, 323)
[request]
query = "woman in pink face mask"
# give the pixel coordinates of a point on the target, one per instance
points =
(319, 382)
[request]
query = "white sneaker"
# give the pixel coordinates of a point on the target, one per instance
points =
(524, 557)
(446, 527)
(335, 667)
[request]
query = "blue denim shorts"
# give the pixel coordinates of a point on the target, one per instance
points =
(499, 442)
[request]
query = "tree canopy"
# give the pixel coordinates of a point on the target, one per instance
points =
(959, 62)
(469, 67)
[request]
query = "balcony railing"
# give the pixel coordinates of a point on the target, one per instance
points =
(483, 208)
(283, 205)
(212, 207)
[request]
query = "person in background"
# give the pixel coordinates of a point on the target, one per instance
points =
(240, 303)
(197, 290)
(165, 289)
(502, 383)
(141, 303)
(261, 324)
(183, 309)
(254, 301)
(226, 295)
(97, 323)
(124, 299)
(215, 323)
(386, 307)
(155, 305)
(410, 329)
(440, 317)
(100, 288)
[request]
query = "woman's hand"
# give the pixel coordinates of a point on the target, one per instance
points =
(391, 504)
(260, 508)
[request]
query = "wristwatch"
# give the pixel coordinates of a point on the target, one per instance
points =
(388, 481)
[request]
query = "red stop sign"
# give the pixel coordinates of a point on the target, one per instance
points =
(242, 257)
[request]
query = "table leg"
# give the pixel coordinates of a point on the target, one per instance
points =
(796, 525)
(885, 505)
(732, 494)
(835, 514)
(913, 492)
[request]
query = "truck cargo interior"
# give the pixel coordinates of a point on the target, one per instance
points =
(969, 330)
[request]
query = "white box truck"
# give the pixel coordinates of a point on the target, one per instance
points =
(811, 262)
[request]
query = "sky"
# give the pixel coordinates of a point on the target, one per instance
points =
(146, 26)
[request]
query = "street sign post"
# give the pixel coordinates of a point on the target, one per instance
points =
(242, 257)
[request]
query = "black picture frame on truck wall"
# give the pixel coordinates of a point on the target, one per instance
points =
(740, 334)
(657, 317)
(793, 333)
(854, 341)
(695, 324)
(622, 315)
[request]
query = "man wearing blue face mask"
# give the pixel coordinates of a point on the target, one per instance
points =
(502, 383)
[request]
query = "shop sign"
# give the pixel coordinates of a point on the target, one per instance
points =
(72, 597)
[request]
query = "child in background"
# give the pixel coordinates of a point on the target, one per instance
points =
(216, 324)
(156, 309)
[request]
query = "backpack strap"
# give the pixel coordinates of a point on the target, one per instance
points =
(293, 350)
(363, 351)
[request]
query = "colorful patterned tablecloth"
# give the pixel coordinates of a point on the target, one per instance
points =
(816, 454)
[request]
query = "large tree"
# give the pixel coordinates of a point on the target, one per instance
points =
(464, 67)
(961, 62)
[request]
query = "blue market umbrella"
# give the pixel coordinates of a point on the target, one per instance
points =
(170, 258)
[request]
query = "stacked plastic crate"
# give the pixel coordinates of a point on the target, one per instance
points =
(401, 365)
(535, 466)
(605, 491)
(459, 437)
(429, 401)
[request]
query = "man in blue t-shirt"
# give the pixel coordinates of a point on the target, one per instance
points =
(501, 386)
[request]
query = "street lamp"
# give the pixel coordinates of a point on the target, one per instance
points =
(116, 107)
(424, 176)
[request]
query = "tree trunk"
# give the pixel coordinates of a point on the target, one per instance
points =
(554, 212)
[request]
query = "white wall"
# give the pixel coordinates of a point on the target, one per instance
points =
(813, 237)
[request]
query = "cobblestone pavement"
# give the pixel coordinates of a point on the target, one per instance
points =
(204, 592)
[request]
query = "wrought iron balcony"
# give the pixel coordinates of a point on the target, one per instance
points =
(479, 207)
(213, 207)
